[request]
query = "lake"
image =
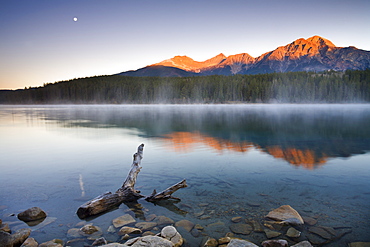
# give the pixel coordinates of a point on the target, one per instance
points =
(238, 160)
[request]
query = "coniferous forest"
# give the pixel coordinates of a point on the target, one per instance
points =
(291, 87)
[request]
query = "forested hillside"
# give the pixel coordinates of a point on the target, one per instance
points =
(291, 87)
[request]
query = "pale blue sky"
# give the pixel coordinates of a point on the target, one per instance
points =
(41, 43)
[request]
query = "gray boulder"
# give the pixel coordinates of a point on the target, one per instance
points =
(31, 214)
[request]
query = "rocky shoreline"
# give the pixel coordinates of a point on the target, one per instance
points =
(283, 226)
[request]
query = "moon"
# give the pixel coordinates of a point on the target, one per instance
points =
(75, 19)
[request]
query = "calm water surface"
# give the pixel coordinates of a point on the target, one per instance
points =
(239, 160)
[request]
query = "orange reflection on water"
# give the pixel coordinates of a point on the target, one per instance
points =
(306, 158)
(185, 142)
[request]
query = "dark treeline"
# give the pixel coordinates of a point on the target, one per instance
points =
(291, 87)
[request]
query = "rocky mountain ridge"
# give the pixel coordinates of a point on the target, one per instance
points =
(312, 54)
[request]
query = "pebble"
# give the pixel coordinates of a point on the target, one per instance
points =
(236, 219)
(129, 230)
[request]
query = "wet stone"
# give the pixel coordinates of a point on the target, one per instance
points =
(145, 226)
(342, 231)
(241, 228)
(186, 224)
(205, 217)
(271, 234)
(236, 219)
(287, 214)
(123, 220)
(129, 230)
(257, 227)
(31, 214)
(150, 217)
(315, 239)
(321, 232)
(293, 233)
(224, 240)
(163, 220)
(195, 232)
(170, 233)
(89, 229)
(148, 233)
(309, 220)
(329, 230)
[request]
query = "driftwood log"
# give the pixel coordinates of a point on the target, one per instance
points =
(126, 193)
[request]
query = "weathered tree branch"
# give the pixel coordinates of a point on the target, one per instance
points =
(167, 193)
(126, 193)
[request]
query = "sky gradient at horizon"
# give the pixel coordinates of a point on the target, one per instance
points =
(41, 43)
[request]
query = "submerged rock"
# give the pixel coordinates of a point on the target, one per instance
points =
(186, 224)
(321, 232)
(123, 220)
(241, 228)
(31, 214)
(163, 220)
(309, 220)
(293, 233)
(286, 214)
(271, 234)
(145, 226)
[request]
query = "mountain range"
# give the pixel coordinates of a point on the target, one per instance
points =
(312, 54)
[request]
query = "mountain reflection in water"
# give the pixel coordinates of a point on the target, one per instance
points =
(303, 135)
(185, 141)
